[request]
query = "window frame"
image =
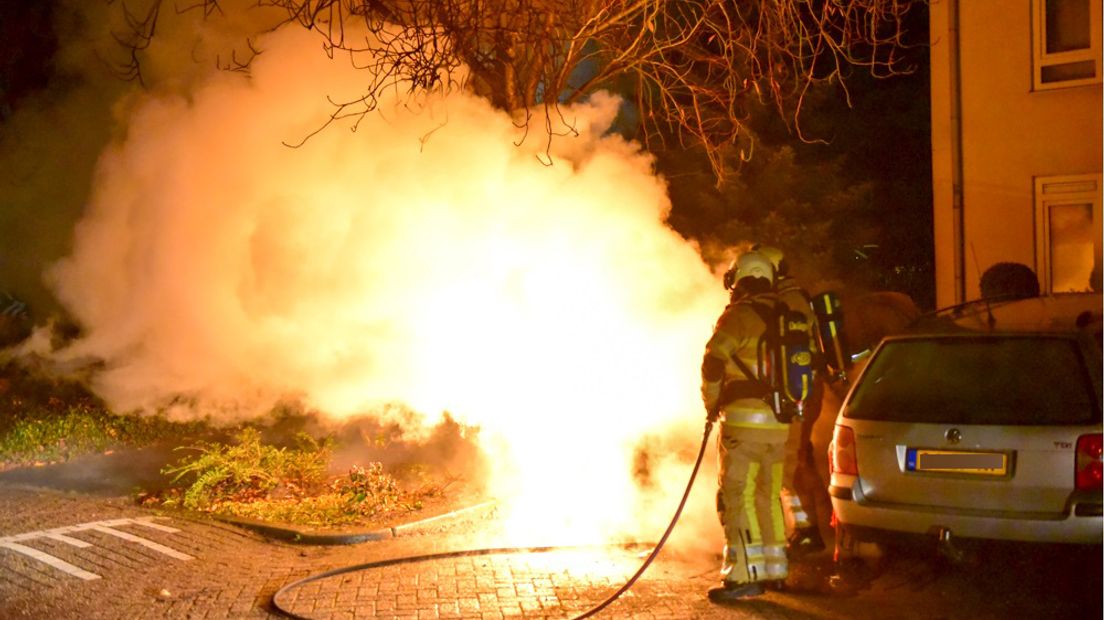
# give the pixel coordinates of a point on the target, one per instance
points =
(1064, 190)
(1041, 59)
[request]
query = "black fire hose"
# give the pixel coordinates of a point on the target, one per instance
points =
(666, 534)
(502, 550)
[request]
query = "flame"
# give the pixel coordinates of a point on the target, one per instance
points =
(423, 259)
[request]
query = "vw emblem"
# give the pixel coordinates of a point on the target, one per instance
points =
(953, 435)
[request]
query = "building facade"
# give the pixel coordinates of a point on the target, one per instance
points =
(1016, 142)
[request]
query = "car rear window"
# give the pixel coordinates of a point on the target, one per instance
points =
(977, 380)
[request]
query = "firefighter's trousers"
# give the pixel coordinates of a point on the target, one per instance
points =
(798, 480)
(804, 493)
(748, 504)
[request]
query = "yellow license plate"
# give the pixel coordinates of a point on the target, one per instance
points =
(957, 462)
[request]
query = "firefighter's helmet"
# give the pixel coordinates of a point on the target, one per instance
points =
(775, 256)
(751, 264)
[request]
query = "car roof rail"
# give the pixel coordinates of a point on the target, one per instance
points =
(1044, 312)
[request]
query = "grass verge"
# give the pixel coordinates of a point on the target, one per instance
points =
(45, 420)
(48, 420)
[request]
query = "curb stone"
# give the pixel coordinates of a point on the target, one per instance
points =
(290, 533)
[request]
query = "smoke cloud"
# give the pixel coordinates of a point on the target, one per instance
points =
(422, 259)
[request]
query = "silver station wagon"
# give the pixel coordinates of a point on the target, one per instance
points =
(983, 422)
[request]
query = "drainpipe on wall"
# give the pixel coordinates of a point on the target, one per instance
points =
(957, 205)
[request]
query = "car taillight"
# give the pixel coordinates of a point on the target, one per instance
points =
(843, 459)
(1089, 468)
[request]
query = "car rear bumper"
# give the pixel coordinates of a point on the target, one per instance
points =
(1081, 523)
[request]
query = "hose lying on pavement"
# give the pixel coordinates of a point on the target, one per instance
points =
(678, 513)
(276, 598)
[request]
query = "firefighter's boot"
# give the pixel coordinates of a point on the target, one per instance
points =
(732, 592)
(804, 541)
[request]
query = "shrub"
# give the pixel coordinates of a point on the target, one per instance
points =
(249, 470)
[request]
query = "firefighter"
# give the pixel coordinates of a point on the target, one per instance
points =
(802, 490)
(751, 440)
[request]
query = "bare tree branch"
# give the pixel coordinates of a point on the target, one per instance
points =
(697, 65)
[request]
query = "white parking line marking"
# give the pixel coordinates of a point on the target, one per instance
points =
(61, 534)
(172, 553)
(46, 558)
(148, 522)
(80, 544)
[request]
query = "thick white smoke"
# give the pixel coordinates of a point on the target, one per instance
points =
(422, 259)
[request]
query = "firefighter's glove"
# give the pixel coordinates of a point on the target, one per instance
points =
(712, 415)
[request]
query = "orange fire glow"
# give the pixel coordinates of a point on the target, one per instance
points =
(423, 259)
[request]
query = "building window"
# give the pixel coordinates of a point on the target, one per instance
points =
(1068, 233)
(1066, 42)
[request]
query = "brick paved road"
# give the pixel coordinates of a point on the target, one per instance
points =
(233, 573)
